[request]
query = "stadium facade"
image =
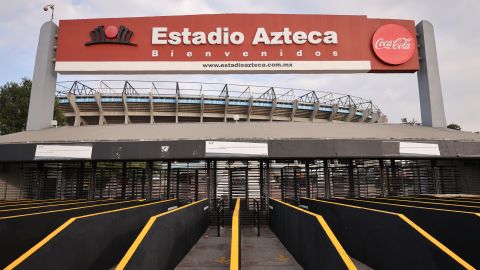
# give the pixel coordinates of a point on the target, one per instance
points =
(143, 168)
(158, 139)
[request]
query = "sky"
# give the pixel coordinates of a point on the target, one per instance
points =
(456, 32)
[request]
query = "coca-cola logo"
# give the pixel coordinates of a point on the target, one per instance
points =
(393, 44)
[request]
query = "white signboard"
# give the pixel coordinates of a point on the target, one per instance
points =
(45, 152)
(430, 149)
(214, 148)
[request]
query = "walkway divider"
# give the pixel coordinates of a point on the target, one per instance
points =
(19, 233)
(448, 198)
(236, 242)
(308, 237)
(41, 208)
(434, 200)
(96, 240)
(440, 205)
(37, 202)
(166, 238)
(3, 202)
(383, 239)
(459, 230)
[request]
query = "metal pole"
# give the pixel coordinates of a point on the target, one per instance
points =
(169, 178)
(196, 185)
(351, 180)
(436, 182)
(382, 179)
(93, 180)
(307, 175)
(326, 175)
(150, 179)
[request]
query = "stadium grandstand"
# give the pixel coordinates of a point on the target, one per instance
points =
(125, 102)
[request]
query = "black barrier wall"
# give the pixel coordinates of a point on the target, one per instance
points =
(306, 238)
(459, 231)
(4, 202)
(471, 199)
(18, 234)
(437, 200)
(440, 205)
(44, 208)
(167, 238)
(382, 240)
(35, 203)
(96, 241)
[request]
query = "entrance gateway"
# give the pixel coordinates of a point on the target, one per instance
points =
(241, 164)
(226, 43)
(234, 43)
(261, 152)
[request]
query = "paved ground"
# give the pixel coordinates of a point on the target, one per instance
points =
(265, 252)
(210, 252)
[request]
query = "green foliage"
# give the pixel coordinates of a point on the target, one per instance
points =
(58, 114)
(454, 126)
(14, 102)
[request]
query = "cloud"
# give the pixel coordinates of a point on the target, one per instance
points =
(396, 94)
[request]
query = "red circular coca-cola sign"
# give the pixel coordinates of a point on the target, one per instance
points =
(393, 44)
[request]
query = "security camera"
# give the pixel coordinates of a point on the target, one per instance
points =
(49, 6)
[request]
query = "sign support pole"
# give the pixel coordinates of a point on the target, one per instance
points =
(42, 96)
(429, 86)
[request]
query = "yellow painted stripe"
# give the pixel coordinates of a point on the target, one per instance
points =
(61, 210)
(418, 229)
(126, 258)
(38, 245)
(436, 242)
(341, 251)
(43, 206)
(410, 206)
(49, 203)
(336, 243)
(66, 224)
(434, 203)
(234, 243)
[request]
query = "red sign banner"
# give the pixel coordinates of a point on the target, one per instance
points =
(237, 43)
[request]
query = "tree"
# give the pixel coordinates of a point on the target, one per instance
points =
(14, 102)
(454, 126)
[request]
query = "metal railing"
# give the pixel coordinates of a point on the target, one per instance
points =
(210, 90)
(220, 213)
(256, 215)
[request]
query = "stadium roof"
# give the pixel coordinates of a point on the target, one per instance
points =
(188, 141)
(238, 131)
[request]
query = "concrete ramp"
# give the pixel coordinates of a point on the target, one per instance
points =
(382, 239)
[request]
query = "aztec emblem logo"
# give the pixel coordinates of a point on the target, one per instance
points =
(110, 35)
